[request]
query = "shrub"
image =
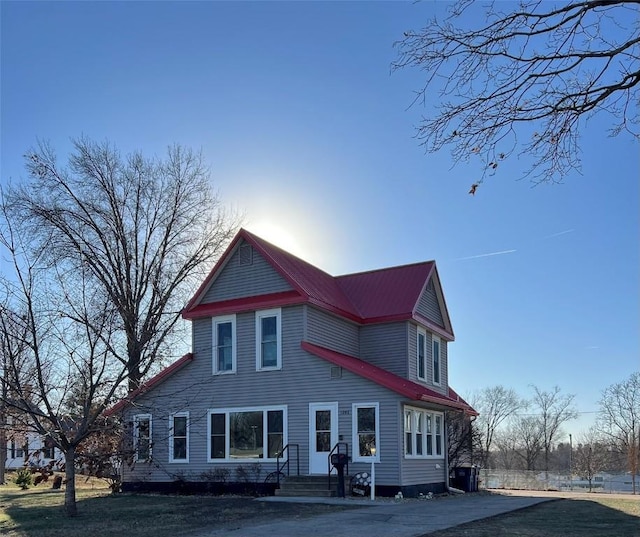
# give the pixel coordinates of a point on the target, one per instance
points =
(23, 478)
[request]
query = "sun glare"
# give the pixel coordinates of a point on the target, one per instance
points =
(279, 236)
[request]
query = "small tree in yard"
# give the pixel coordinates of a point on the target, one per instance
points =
(590, 456)
(57, 340)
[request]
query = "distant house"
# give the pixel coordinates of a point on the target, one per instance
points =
(25, 447)
(287, 356)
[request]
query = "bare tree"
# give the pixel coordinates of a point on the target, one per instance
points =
(620, 420)
(463, 439)
(525, 81)
(505, 456)
(56, 342)
(590, 456)
(528, 436)
(553, 410)
(495, 405)
(141, 229)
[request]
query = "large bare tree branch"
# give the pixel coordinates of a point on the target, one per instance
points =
(526, 81)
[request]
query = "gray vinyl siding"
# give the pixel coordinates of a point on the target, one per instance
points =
(239, 281)
(332, 332)
(429, 307)
(386, 346)
(304, 379)
(413, 363)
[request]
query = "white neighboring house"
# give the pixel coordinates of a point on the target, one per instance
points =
(27, 448)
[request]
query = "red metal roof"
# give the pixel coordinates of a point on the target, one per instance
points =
(151, 383)
(406, 388)
(375, 296)
(387, 292)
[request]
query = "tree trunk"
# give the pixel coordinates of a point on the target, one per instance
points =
(134, 357)
(70, 507)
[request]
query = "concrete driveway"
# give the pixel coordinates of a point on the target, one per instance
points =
(385, 518)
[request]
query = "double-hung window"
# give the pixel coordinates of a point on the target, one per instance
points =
(423, 433)
(421, 358)
(366, 432)
(224, 344)
(142, 437)
(436, 359)
(247, 433)
(179, 438)
(268, 339)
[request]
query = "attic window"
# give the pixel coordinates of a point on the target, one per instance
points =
(430, 285)
(336, 372)
(245, 255)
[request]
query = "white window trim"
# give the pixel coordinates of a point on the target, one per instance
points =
(227, 436)
(423, 333)
(425, 413)
(277, 313)
(215, 322)
(435, 339)
(354, 432)
(136, 420)
(171, 437)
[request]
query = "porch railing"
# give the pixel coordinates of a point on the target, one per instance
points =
(285, 463)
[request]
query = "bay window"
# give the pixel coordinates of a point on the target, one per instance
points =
(423, 433)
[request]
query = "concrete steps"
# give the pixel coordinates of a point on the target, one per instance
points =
(307, 485)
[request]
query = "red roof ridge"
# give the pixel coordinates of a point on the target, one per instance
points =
(383, 269)
(385, 378)
(151, 383)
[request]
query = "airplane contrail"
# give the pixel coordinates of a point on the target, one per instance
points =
(559, 233)
(486, 255)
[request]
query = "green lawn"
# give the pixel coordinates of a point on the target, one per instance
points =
(38, 512)
(593, 516)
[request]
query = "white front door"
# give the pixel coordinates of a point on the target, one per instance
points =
(323, 435)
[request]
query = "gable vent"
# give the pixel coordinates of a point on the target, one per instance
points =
(336, 372)
(245, 255)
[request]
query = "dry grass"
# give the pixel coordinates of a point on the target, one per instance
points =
(592, 516)
(38, 512)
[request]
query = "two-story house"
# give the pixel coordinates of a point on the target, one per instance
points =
(286, 354)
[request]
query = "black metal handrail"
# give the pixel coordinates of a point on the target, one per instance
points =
(336, 449)
(285, 463)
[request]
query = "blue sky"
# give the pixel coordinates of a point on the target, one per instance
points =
(308, 132)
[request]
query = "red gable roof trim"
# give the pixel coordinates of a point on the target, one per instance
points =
(404, 387)
(151, 383)
(236, 305)
(436, 329)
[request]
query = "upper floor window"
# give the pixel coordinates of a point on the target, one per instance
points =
(268, 339)
(142, 437)
(421, 365)
(224, 344)
(179, 438)
(366, 432)
(436, 360)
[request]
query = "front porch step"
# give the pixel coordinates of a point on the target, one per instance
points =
(315, 486)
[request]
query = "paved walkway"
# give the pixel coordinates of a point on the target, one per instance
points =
(409, 518)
